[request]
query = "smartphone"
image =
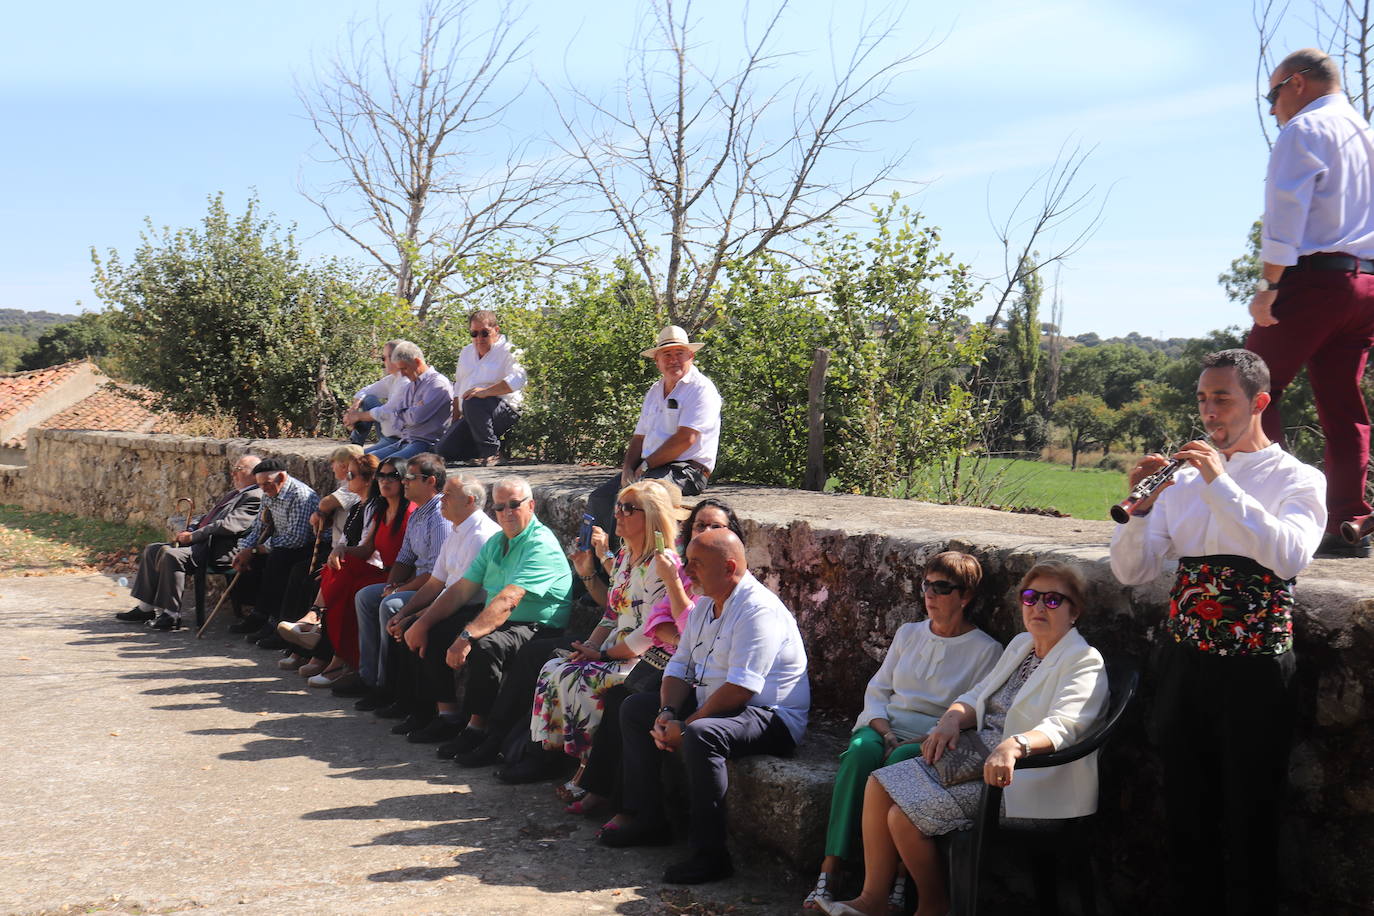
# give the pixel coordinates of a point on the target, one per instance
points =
(584, 534)
(658, 540)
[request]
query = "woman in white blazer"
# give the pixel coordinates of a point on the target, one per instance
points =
(1045, 691)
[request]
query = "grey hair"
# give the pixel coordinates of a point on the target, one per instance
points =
(406, 352)
(474, 489)
(1321, 66)
(519, 484)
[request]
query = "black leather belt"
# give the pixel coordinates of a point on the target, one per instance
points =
(1345, 262)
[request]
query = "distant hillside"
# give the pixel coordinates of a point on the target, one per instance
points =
(1173, 347)
(30, 325)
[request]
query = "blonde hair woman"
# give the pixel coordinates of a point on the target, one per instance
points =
(567, 700)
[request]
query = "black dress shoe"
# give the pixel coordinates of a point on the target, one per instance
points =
(137, 615)
(700, 868)
(273, 641)
(166, 622)
(535, 765)
(438, 729)
(1336, 547)
(352, 686)
(483, 755)
(397, 710)
(373, 700)
(411, 723)
(637, 833)
(250, 624)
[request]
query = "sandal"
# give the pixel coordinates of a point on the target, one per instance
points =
(609, 827)
(820, 892)
(327, 677)
(570, 792)
(896, 901)
(586, 807)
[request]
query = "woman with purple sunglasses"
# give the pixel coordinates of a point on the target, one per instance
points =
(1046, 690)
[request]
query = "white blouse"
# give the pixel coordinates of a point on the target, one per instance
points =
(922, 673)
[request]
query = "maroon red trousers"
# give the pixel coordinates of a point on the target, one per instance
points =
(1326, 323)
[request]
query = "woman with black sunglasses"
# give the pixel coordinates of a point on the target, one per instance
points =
(1048, 687)
(929, 663)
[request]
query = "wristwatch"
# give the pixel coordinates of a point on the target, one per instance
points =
(1022, 742)
(668, 709)
(1265, 286)
(466, 635)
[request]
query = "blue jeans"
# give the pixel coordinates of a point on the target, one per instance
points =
(364, 429)
(400, 450)
(374, 612)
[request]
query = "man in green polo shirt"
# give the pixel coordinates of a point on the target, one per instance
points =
(528, 583)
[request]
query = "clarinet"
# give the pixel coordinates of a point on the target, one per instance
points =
(1122, 511)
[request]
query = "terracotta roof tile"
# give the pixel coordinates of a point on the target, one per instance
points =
(114, 407)
(19, 390)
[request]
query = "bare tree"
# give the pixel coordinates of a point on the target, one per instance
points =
(717, 163)
(400, 123)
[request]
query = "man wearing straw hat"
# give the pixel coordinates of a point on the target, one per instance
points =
(678, 430)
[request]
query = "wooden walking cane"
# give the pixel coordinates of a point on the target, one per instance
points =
(225, 594)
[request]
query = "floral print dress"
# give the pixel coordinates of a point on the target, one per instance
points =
(567, 699)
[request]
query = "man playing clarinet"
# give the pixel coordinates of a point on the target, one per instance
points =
(1244, 518)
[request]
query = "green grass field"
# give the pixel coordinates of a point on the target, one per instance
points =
(1084, 493)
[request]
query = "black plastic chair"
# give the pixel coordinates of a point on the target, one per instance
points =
(966, 848)
(202, 571)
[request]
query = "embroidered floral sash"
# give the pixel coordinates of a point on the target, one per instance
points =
(1230, 605)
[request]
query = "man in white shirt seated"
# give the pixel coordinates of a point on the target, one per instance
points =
(375, 395)
(678, 433)
(486, 394)
(736, 686)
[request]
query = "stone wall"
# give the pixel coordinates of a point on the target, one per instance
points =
(849, 568)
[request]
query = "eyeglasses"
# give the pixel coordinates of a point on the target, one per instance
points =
(1273, 95)
(1052, 599)
(510, 506)
(415, 476)
(388, 475)
(484, 333)
(627, 508)
(939, 587)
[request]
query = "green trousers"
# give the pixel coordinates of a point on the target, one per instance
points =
(863, 756)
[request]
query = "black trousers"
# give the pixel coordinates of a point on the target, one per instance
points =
(488, 663)
(707, 744)
(1224, 726)
(511, 710)
(601, 502)
(603, 773)
(478, 434)
(429, 679)
(161, 575)
(274, 579)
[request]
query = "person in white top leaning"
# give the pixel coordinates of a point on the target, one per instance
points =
(678, 432)
(1314, 304)
(486, 394)
(1243, 517)
(375, 395)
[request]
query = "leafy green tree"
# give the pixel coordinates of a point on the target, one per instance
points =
(226, 318)
(1109, 371)
(90, 336)
(1239, 282)
(13, 349)
(1088, 421)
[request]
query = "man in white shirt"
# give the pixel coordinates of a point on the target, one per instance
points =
(486, 394)
(678, 432)
(736, 686)
(375, 395)
(1243, 517)
(1315, 304)
(424, 682)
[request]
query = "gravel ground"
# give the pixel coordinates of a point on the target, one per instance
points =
(147, 772)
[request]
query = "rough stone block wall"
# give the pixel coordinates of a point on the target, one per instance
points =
(849, 568)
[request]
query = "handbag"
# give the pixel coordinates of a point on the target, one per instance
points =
(963, 763)
(647, 674)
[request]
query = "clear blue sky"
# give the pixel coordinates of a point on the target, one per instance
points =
(117, 112)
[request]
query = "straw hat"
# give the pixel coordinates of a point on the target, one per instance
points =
(671, 336)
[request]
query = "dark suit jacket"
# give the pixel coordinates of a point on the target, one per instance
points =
(214, 542)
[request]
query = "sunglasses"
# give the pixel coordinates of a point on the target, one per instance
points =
(627, 508)
(388, 475)
(1052, 599)
(510, 506)
(1273, 94)
(939, 587)
(415, 476)
(486, 332)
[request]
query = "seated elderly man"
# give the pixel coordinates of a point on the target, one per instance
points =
(161, 575)
(678, 430)
(736, 686)
(423, 483)
(419, 413)
(423, 680)
(280, 538)
(528, 585)
(375, 395)
(486, 394)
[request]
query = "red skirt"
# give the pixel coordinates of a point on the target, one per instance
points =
(337, 588)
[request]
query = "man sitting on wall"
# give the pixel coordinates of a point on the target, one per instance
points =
(486, 394)
(380, 392)
(211, 540)
(420, 410)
